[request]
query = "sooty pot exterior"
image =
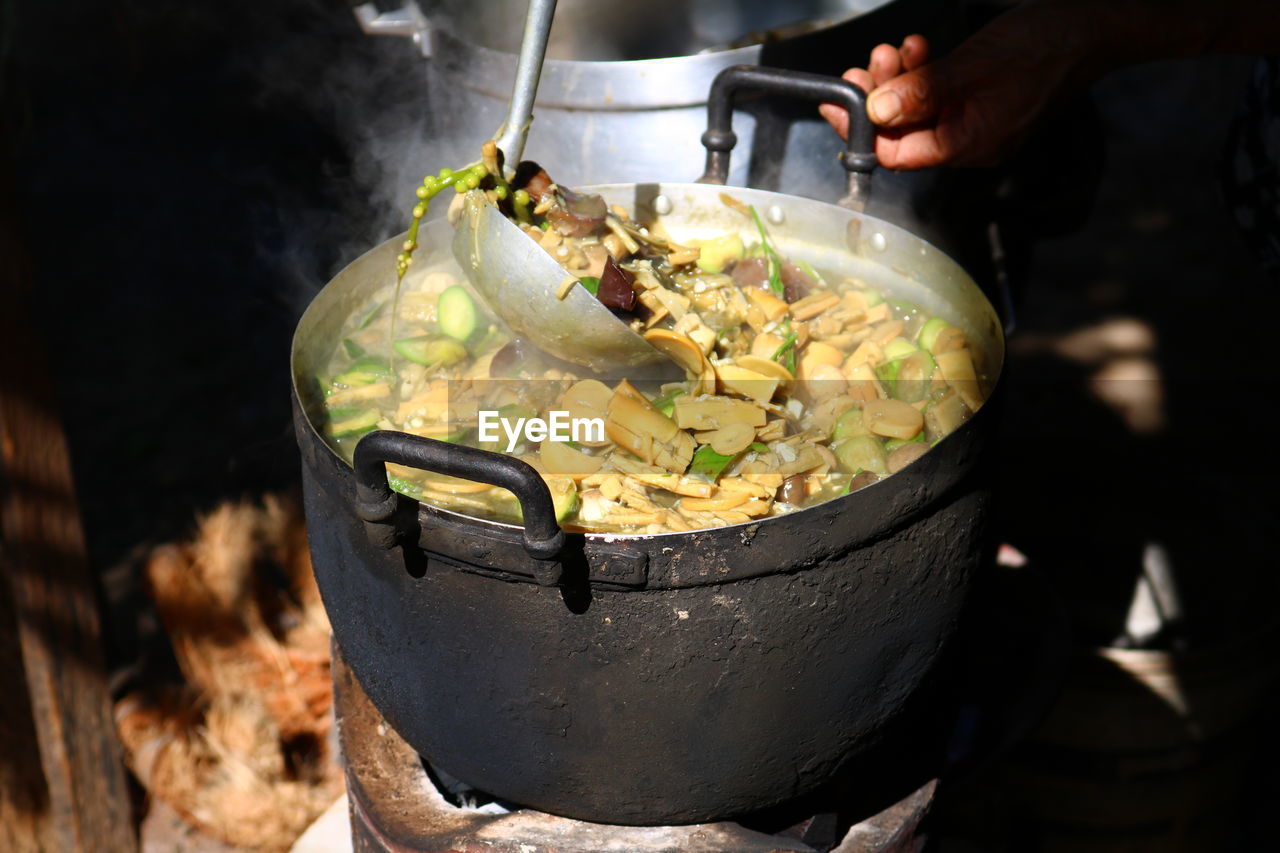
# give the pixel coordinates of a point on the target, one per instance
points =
(670, 679)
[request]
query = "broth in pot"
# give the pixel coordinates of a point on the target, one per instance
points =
(792, 381)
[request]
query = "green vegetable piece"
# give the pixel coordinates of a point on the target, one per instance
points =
(758, 447)
(898, 347)
(457, 313)
(850, 424)
(356, 377)
(358, 424)
(431, 351)
(405, 487)
(375, 364)
(372, 315)
(709, 464)
(667, 402)
(888, 372)
(718, 251)
(564, 496)
(786, 352)
(454, 437)
(520, 203)
(775, 262)
(872, 296)
(591, 283)
(862, 453)
(910, 377)
(929, 332)
(351, 348)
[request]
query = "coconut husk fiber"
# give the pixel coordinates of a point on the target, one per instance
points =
(241, 749)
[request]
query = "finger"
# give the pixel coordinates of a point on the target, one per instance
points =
(910, 98)
(837, 117)
(917, 149)
(861, 78)
(914, 52)
(885, 64)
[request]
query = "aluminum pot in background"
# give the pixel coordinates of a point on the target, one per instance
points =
(623, 93)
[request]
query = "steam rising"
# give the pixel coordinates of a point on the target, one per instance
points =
(366, 99)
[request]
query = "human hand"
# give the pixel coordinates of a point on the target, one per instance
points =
(975, 106)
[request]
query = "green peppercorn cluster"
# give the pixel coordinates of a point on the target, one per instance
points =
(461, 180)
(486, 175)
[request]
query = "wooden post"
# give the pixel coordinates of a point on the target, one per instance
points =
(62, 782)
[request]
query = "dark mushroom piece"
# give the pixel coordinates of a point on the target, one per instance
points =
(796, 283)
(750, 272)
(576, 214)
(792, 490)
(903, 456)
(615, 287)
(533, 179)
(862, 479)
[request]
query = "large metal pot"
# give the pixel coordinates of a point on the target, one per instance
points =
(650, 679)
(622, 95)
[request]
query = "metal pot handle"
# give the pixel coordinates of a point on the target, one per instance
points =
(407, 21)
(376, 502)
(858, 158)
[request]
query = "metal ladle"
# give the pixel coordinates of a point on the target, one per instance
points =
(514, 274)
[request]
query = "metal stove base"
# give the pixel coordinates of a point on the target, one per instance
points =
(396, 808)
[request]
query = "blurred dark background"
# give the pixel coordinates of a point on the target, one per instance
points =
(188, 175)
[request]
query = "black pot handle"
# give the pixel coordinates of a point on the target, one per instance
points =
(376, 502)
(859, 156)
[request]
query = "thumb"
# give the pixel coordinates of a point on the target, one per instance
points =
(911, 98)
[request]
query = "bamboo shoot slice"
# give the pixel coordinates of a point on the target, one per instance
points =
(559, 458)
(957, 369)
(702, 413)
(771, 306)
(686, 353)
(749, 383)
(732, 439)
(587, 399)
(893, 419)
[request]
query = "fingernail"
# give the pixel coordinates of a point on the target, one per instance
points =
(884, 106)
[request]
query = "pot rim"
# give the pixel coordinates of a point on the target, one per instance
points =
(747, 529)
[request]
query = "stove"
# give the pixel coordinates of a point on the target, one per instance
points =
(398, 803)
(1004, 678)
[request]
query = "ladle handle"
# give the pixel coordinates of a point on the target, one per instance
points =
(376, 502)
(533, 48)
(858, 158)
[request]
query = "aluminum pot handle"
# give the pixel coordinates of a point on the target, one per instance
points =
(859, 156)
(376, 502)
(407, 21)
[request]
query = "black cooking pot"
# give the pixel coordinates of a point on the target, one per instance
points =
(652, 679)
